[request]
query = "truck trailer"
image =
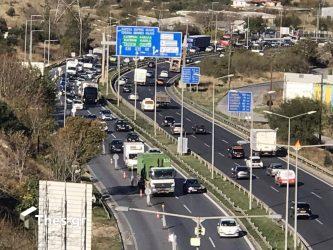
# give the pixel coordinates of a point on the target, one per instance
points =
(263, 141)
(200, 41)
(89, 92)
(131, 151)
(154, 172)
(162, 99)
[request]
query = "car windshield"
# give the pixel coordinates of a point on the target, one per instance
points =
(228, 223)
(132, 156)
(242, 169)
(255, 160)
(193, 182)
(162, 173)
(149, 102)
(106, 112)
(169, 119)
(117, 142)
(277, 166)
(303, 205)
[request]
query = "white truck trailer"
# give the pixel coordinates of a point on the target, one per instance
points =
(263, 141)
(131, 151)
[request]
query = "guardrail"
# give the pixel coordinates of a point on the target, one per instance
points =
(301, 241)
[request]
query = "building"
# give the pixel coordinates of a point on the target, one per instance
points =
(240, 3)
(327, 12)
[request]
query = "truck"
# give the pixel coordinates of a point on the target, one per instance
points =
(154, 172)
(71, 66)
(263, 141)
(89, 92)
(131, 151)
(175, 64)
(162, 99)
(200, 41)
(147, 104)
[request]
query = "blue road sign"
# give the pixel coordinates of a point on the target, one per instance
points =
(170, 45)
(239, 101)
(190, 75)
(135, 41)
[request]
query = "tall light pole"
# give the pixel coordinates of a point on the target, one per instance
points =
(288, 168)
(25, 40)
(30, 47)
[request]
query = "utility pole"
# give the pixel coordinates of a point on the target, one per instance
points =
(25, 40)
(271, 86)
(321, 106)
(247, 32)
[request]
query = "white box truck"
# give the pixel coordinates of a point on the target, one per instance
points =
(131, 151)
(263, 141)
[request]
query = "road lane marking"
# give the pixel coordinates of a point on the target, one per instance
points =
(187, 208)
(222, 154)
(211, 241)
(160, 114)
(206, 145)
(113, 136)
(89, 112)
(178, 113)
(318, 196)
(256, 176)
(225, 141)
(188, 119)
(321, 223)
(177, 197)
(194, 136)
(236, 164)
(275, 189)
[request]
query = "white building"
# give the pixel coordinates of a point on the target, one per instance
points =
(240, 3)
(327, 12)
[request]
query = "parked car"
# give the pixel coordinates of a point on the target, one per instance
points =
(273, 168)
(116, 146)
(164, 73)
(193, 186)
(236, 151)
(133, 137)
(240, 172)
(199, 129)
(256, 162)
(228, 228)
(303, 210)
(106, 115)
(122, 126)
(168, 121)
(176, 129)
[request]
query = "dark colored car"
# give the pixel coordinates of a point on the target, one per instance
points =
(168, 121)
(240, 172)
(303, 210)
(193, 186)
(116, 146)
(91, 116)
(199, 129)
(127, 89)
(122, 126)
(151, 64)
(133, 137)
(273, 168)
(236, 151)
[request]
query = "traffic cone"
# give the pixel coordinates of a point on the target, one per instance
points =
(124, 175)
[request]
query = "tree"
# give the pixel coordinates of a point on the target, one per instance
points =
(307, 48)
(257, 24)
(11, 11)
(302, 128)
(289, 21)
(74, 146)
(3, 25)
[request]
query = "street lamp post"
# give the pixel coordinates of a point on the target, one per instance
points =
(30, 47)
(288, 167)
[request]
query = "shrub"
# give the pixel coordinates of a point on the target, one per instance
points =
(11, 11)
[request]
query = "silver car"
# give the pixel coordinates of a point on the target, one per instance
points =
(240, 172)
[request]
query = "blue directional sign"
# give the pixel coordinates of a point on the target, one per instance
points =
(170, 45)
(132, 41)
(239, 101)
(190, 75)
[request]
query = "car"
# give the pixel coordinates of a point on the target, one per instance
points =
(168, 121)
(133, 97)
(236, 151)
(199, 129)
(189, 60)
(127, 89)
(273, 168)
(105, 126)
(91, 116)
(133, 137)
(126, 60)
(122, 126)
(240, 172)
(164, 73)
(154, 150)
(160, 81)
(150, 74)
(151, 64)
(256, 162)
(123, 80)
(116, 146)
(219, 48)
(283, 177)
(209, 49)
(106, 115)
(221, 55)
(228, 227)
(303, 210)
(194, 49)
(176, 129)
(77, 104)
(192, 185)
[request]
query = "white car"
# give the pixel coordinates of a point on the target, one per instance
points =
(209, 49)
(133, 97)
(219, 48)
(256, 162)
(123, 80)
(77, 104)
(104, 125)
(164, 73)
(221, 55)
(106, 115)
(228, 228)
(126, 60)
(149, 74)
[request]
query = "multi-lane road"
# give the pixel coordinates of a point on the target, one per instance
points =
(318, 231)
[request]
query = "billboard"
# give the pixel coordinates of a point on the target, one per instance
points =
(64, 216)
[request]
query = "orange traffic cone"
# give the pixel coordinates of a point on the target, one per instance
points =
(124, 175)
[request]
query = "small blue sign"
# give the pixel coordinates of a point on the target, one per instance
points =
(239, 101)
(133, 41)
(170, 45)
(190, 75)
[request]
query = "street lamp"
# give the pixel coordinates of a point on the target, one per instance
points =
(288, 166)
(30, 47)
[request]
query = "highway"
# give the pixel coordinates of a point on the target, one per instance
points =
(318, 232)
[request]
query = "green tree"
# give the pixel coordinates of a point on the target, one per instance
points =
(289, 21)
(302, 128)
(11, 11)
(9, 121)
(3, 25)
(257, 24)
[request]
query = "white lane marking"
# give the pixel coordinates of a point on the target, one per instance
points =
(275, 189)
(225, 141)
(187, 208)
(113, 136)
(236, 164)
(178, 113)
(211, 241)
(321, 223)
(194, 136)
(257, 177)
(89, 112)
(188, 119)
(318, 196)
(177, 197)
(206, 145)
(222, 154)
(160, 114)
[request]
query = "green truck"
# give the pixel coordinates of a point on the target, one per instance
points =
(154, 172)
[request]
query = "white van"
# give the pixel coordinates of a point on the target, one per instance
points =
(147, 104)
(283, 177)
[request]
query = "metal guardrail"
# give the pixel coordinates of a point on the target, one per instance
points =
(301, 242)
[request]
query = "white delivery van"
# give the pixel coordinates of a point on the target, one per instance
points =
(284, 176)
(131, 151)
(147, 104)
